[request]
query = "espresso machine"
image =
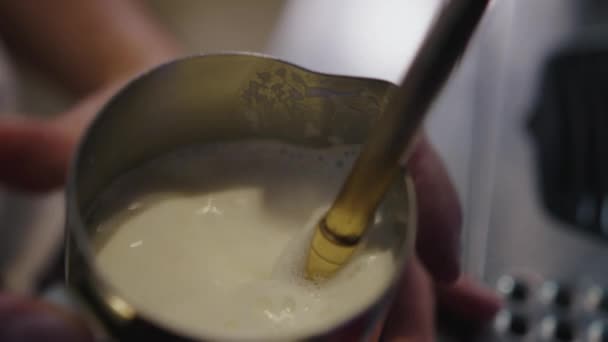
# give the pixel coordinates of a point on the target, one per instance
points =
(523, 128)
(539, 219)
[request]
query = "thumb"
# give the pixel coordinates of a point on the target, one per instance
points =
(34, 154)
(23, 319)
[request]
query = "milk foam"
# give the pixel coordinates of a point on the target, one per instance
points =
(212, 241)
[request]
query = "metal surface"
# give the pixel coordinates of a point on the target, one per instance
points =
(375, 169)
(218, 98)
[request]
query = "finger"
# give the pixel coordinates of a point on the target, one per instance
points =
(411, 316)
(439, 214)
(468, 300)
(33, 154)
(24, 319)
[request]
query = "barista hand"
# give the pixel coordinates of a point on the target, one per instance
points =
(121, 40)
(433, 278)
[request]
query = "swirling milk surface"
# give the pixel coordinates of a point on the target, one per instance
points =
(211, 240)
